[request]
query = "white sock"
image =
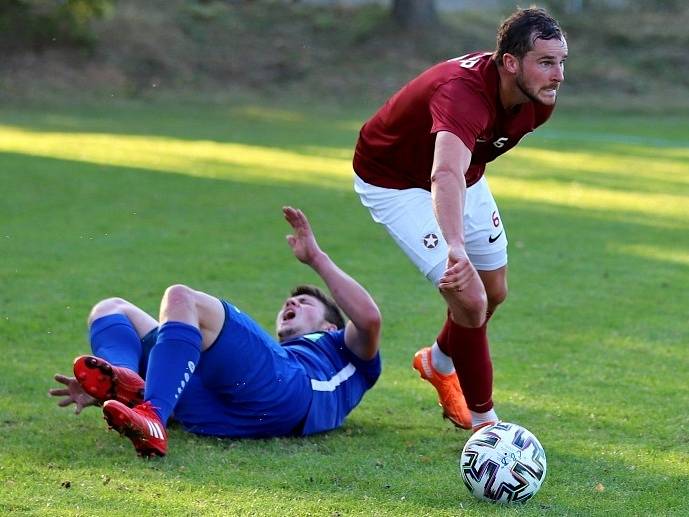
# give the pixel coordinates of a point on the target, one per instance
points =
(442, 363)
(482, 418)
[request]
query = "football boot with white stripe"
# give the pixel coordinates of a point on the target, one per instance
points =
(104, 381)
(140, 424)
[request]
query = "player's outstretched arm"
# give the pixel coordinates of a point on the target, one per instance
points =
(72, 393)
(460, 285)
(363, 328)
(451, 160)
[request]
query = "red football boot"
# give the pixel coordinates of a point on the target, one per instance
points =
(104, 381)
(140, 424)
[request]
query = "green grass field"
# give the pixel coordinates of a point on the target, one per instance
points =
(589, 350)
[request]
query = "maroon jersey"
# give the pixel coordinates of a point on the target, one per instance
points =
(395, 147)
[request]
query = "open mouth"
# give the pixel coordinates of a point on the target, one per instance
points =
(288, 314)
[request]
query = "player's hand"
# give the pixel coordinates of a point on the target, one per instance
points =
(73, 394)
(302, 241)
(459, 273)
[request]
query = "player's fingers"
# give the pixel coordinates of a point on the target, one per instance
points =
(464, 276)
(66, 402)
(62, 378)
(300, 223)
(451, 290)
(446, 283)
(453, 276)
(289, 214)
(456, 281)
(449, 283)
(458, 266)
(58, 392)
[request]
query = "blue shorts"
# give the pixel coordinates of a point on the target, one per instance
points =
(245, 384)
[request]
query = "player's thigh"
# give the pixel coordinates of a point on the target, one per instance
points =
(408, 217)
(484, 232)
(142, 322)
(211, 317)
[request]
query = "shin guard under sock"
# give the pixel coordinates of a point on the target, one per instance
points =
(171, 364)
(114, 338)
(471, 356)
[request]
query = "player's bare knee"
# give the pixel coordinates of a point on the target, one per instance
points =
(177, 295)
(106, 307)
(471, 310)
(178, 302)
(476, 318)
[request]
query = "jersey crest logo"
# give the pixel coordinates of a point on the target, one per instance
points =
(430, 240)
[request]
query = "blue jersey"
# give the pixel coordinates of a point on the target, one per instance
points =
(338, 378)
(247, 385)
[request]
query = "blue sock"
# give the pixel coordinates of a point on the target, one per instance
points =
(170, 365)
(114, 339)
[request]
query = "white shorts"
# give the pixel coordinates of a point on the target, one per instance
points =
(408, 217)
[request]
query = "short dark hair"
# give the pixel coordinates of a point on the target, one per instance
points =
(332, 311)
(518, 33)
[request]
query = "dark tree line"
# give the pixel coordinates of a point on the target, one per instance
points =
(413, 14)
(41, 23)
(37, 24)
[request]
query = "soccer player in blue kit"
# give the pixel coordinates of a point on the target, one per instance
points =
(219, 372)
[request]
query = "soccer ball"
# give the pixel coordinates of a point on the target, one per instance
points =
(503, 463)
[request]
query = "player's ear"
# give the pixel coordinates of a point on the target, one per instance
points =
(510, 63)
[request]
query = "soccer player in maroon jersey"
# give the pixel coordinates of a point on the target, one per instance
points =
(419, 164)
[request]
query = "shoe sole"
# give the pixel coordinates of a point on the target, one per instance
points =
(118, 422)
(453, 422)
(101, 382)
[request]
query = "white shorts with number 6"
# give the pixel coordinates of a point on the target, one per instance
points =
(408, 217)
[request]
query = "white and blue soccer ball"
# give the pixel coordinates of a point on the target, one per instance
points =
(503, 463)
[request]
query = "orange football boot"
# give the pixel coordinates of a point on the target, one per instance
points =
(450, 396)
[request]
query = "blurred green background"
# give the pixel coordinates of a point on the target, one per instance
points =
(624, 54)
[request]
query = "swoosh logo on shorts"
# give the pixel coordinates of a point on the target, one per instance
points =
(492, 239)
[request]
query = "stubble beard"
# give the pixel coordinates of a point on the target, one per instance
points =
(284, 334)
(525, 91)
